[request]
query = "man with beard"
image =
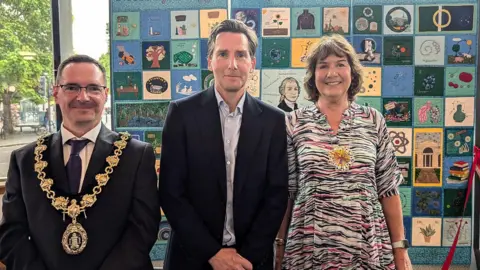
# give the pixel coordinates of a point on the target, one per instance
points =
(224, 175)
(84, 197)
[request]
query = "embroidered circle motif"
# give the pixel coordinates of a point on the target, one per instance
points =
(340, 157)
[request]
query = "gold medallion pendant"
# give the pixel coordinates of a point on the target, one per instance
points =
(75, 237)
(341, 157)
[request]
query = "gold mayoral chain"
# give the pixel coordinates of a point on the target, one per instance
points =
(75, 237)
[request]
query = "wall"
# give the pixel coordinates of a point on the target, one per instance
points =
(419, 57)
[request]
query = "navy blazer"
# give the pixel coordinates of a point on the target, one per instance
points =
(193, 181)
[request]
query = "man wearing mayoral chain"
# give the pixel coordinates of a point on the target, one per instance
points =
(84, 197)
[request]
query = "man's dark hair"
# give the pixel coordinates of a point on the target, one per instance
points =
(79, 58)
(233, 26)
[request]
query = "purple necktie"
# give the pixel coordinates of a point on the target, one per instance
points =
(74, 164)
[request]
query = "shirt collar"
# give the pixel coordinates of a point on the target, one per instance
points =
(91, 135)
(221, 102)
(290, 104)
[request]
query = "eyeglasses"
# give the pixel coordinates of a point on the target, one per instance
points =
(75, 89)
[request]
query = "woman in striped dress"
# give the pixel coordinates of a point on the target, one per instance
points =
(344, 209)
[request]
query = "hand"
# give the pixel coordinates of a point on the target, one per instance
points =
(279, 253)
(402, 261)
(229, 259)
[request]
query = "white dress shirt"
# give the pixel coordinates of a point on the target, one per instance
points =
(86, 153)
(230, 122)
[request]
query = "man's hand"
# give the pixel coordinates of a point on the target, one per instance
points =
(229, 259)
(402, 261)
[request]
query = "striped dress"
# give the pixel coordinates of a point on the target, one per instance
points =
(337, 220)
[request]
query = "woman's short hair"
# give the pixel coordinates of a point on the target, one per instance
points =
(333, 45)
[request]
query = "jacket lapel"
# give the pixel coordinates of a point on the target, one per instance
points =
(57, 163)
(250, 134)
(103, 148)
(211, 130)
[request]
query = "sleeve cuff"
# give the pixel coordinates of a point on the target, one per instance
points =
(390, 193)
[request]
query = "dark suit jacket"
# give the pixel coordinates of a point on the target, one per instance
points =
(122, 226)
(193, 181)
(283, 105)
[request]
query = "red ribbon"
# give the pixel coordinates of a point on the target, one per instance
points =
(475, 167)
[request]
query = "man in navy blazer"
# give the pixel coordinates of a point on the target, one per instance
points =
(224, 175)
